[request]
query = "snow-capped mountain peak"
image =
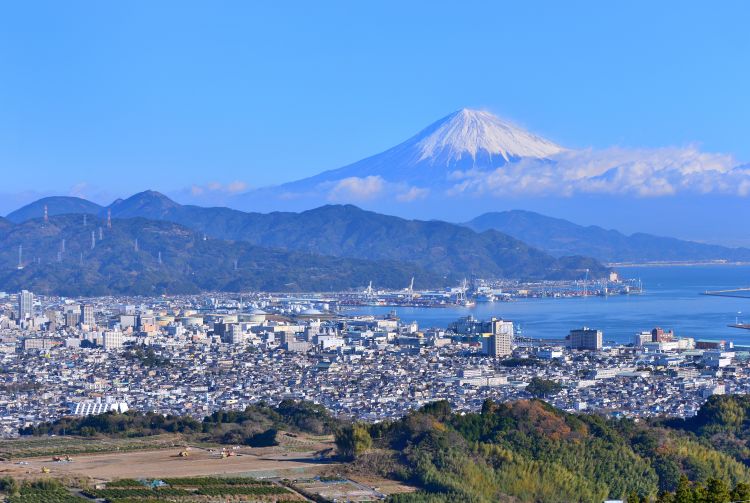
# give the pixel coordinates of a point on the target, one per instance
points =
(462, 142)
(472, 131)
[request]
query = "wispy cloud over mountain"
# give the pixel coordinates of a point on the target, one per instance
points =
(471, 162)
(614, 171)
(356, 188)
(474, 153)
(235, 187)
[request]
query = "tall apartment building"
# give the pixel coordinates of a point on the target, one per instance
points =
(87, 315)
(499, 343)
(72, 318)
(25, 305)
(585, 338)
(112, 339)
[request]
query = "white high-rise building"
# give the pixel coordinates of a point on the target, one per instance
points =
(112, 339)
(87, 315)
(25, 305)
(500, 341)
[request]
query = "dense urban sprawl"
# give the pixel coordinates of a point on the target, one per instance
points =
(197, 354)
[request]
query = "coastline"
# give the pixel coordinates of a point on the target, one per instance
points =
(677, 263)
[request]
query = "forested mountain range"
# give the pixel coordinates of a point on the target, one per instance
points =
(77, 255)
(448, 250)
(561, 237)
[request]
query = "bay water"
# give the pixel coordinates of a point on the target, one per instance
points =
(671, 299)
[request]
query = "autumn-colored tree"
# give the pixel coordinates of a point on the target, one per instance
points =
(353, 441)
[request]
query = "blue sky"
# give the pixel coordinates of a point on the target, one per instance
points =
(108, 98)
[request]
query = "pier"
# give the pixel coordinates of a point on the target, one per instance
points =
(741, 293)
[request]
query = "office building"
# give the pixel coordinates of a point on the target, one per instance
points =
(585, 338)
(642, 338)
(112, 339)
(71, 318)
(499, 344)
(659, 335)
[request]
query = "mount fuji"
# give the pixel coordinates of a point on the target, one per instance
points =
(472, 162)
(464, 140)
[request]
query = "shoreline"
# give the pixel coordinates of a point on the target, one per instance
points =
(676, 264)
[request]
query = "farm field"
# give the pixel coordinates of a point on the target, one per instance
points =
(167, 463)
(193, 489)
(26, 447)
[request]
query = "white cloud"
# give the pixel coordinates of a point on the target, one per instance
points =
(412, 194)
(235, 187)
(355, 189)
(637, 172)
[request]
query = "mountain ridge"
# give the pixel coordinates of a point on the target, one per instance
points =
(137, 256)
(556, 236)
(559, 236)
(348, 231)
(56, 205)
(444, 248)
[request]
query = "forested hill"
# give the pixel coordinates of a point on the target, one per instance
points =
(560, 237)
(449, 250)
(528, 451)
(144, 257)
(55, 205)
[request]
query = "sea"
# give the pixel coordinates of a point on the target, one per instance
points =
(671, 299)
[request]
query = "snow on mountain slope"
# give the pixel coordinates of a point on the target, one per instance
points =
(473, 131)
(464, 140)
(474, 154)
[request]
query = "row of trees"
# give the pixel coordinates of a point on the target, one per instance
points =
(256, 425)
(713, 491)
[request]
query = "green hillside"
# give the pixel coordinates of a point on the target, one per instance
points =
(189, 263)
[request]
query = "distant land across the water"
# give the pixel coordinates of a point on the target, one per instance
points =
(677, 264)
(672, 299)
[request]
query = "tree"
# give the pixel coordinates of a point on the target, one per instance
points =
(264, 439)
(540, 388)
(439, 409)
(684, 493)
(741, 492)
(633, 497)
(488, 406)
(353, 441)
(717, 491)
(8, 485)
(665, 497)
